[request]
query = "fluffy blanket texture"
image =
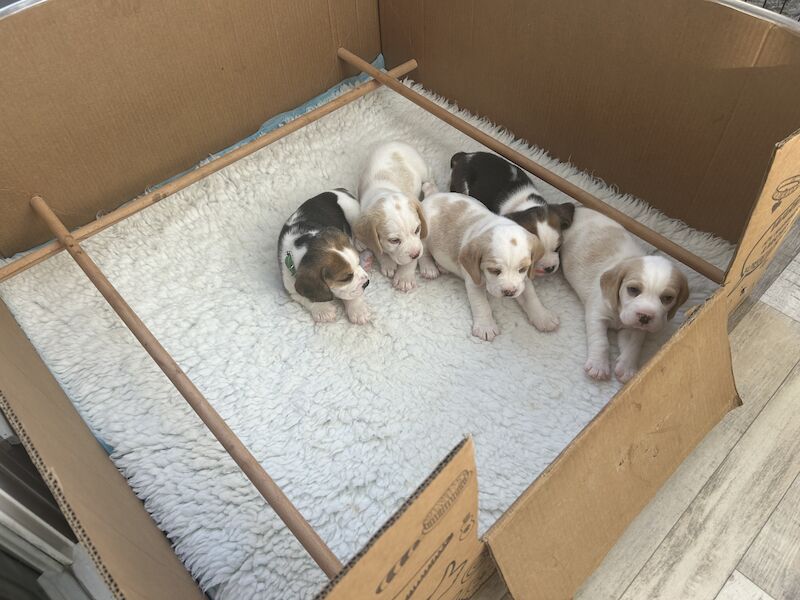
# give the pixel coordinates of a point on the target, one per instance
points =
(348, 419)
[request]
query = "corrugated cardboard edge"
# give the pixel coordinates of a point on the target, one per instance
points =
(548, 541)
(131, 554)
(429, 548)
(771, 218)
(391, 520)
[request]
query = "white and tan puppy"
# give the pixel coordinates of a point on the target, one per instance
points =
(392, 224)
(621, 287)
(491, 253)
(318, 260)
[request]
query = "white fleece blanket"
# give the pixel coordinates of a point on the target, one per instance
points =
(348, 419)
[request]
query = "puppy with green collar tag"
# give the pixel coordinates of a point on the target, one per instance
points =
(317, 258)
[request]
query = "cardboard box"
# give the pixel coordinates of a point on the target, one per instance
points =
(690, 105)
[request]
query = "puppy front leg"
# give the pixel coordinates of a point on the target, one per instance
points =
(404, 279)
(542, 319)
(322, 312)
(596, 365)
(388, 266)
(357, 310)
(483, 323)
(427, 266)
(630, 344)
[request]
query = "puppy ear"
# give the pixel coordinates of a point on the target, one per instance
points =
(310, 283)
(565, 212)
(537, 252)
(470, 258)
(683, 293)
(366, 231)
(610, 282)
(423, 224)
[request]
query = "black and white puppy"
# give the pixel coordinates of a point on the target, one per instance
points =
(318, 260)
(507, 190)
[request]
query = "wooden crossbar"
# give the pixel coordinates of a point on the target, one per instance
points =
(271, 492)
(656, 239)
(50, 249)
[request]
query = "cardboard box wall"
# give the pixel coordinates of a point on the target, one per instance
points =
(106, 98)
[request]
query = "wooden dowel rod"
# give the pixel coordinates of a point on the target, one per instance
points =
(273, 494)
(150, 198)
(656, 239)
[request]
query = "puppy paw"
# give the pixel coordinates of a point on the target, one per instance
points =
(404, 284)
(486, 330)
(545, 321)
(597, 368)
(624, 371)
(428, 270)
(323, 312)
(358, 314)
(429, 188)
(388, 270)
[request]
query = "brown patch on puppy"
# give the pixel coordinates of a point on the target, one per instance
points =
(472, 255)
(423, 224)
(513, 241)
(322, 266)
(369, 227)
(537, 252)
(603, 238)
(611, 280)
(560, 216)
(680, 284)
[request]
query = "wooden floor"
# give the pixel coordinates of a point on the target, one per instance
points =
(726, 526)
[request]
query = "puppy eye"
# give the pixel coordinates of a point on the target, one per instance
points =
(347, 278)
(416, 231)
(523, 269)
(394, 241)
(634, 291)
(667, 299)
(494, 271)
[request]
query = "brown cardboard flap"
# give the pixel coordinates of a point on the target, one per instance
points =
(558, 531)
(773, 215)
(676, 102)
(133, 556)
(430, 547)
(102, 99)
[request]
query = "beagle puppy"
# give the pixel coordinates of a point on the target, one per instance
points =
(621, 287)
(392, 224)
(491, 253)
(507, 190)
(318, 261)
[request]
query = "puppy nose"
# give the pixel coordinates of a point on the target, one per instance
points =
(509, 292)
(366, 283)
(550, 269)
(644, 318)
(415, 255)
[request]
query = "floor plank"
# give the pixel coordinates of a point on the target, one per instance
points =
(773, 560)
(759, 372)
(739, 587)
(786, 253)
(784, 293)
(710, 538)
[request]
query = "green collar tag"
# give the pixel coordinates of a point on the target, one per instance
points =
(289, 262)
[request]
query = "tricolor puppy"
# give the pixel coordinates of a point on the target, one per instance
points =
(392, 224)
(491, 253)
(507, 190)
(621, 287)
(318, 260)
